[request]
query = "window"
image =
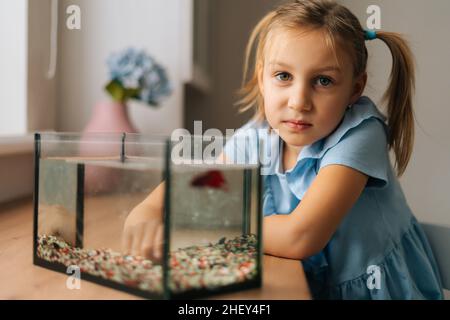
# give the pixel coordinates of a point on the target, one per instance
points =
(13, 66)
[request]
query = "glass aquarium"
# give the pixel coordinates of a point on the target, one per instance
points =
(86, 186)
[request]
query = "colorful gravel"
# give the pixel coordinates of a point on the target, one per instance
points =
(196, 267)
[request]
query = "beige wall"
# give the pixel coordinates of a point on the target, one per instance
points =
(231, 22)
(41, 90)
(17, 169)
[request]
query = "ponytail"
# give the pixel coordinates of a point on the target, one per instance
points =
(399, 99)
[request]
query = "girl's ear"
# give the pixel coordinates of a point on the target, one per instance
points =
(358, 87)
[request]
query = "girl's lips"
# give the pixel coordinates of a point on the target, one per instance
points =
(297, 125)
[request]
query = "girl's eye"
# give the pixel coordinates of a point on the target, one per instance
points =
(324, 81)
(283, 76)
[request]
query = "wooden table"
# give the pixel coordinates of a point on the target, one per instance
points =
(20, 279)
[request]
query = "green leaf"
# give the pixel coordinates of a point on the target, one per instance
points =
(116, 90)
(121, 94)
(132, 93)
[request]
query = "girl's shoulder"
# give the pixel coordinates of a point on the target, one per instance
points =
(362, 124)
(363, 110)
(359, 142)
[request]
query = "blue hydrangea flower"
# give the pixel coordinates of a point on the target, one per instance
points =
(135, 74)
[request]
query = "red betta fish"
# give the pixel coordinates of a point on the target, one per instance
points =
(211, 179)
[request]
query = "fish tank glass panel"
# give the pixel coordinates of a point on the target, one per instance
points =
(88, 185)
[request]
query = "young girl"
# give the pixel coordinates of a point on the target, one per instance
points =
(331, 197)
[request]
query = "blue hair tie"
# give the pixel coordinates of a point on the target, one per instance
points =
(370, 34)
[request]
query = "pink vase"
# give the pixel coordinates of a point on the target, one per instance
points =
(112, 117)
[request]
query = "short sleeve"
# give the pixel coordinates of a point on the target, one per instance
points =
(363, 148)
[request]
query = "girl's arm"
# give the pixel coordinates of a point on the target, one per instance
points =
(307, 230)
(143, 228)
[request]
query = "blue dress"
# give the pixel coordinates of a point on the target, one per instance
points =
(379, 251)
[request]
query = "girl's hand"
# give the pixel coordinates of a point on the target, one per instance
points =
(143, 234)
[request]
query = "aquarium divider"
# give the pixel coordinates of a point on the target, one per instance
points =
(79, 222)
(122, 149)
(247, 176)
(260, 186)
(37, 156)
(166, 245)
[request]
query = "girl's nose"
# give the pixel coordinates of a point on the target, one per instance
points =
(299, 99)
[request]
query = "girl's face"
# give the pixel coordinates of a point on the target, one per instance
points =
(305, 91)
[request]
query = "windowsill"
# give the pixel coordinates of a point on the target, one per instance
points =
(12, 145)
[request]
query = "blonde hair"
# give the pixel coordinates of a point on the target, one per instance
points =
(341, 26)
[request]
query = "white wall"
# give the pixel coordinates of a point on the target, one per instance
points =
(27, 96)
(426, 25)
(13, 75)
(111, 25)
